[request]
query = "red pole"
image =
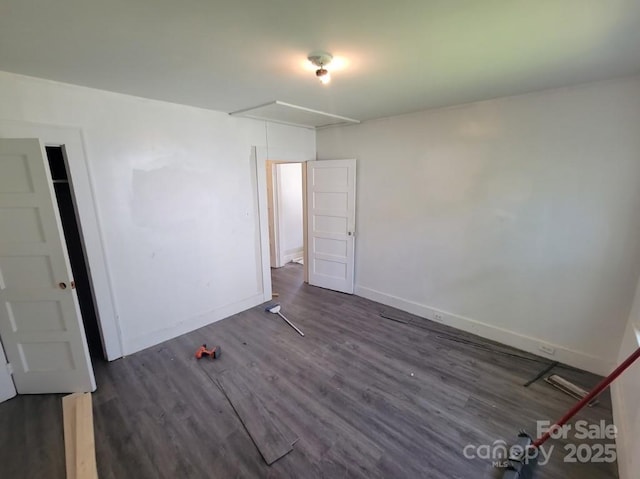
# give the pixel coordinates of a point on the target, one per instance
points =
(584, 401)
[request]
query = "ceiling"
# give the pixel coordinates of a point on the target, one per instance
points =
(397, 56)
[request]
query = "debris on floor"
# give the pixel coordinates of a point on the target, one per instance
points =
(541, 373)
(393, 318)
(569, 388)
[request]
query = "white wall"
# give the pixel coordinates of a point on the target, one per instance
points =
(176, 200)
(290, 210)
(515, 218)
(626, 399)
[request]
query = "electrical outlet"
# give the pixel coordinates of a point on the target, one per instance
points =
(547, 349)
(437, 316)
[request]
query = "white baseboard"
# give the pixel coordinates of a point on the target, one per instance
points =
(156, 337)
(510, 338)
(291, 255)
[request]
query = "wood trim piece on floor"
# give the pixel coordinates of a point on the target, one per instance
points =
(79, 439)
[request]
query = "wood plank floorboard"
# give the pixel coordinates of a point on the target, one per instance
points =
(368, 397)
(272, 438)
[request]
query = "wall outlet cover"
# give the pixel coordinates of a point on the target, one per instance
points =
(547, 349)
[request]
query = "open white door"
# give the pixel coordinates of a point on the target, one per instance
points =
(331, 203)
(40, 323)
(7, 389)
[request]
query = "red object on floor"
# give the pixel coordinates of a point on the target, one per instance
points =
(214, 353)
(594, 393)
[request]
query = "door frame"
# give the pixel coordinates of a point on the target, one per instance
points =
(275, 219)
(80, 180)
(260, 156)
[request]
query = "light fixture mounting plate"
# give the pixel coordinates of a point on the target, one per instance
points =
(320, 59)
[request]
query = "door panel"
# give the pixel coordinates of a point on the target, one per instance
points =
(40, 322)
(7, 388)
(331, 203)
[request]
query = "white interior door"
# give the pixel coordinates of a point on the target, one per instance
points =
(7, 389)
(331, 203)
(40, 323)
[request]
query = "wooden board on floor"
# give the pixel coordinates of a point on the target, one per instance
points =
(272, 438)
(79, 440)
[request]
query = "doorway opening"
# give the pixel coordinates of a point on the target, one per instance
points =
(286, 190)
(75, 247)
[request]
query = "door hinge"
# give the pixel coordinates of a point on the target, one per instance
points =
(10, 368)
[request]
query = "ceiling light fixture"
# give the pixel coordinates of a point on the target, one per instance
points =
(321, 60)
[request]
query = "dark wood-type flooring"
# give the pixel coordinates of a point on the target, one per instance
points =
(368, 398)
